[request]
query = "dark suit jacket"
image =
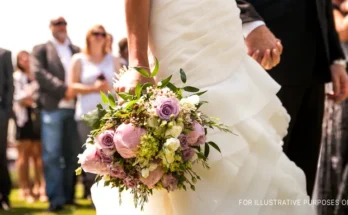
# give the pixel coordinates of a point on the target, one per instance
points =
(307, 31)
(50, 74)
(6, 80)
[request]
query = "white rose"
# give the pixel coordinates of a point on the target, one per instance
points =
(172, 144)
(145, 172)
(175, 131)
(193, 99)
(168, 156)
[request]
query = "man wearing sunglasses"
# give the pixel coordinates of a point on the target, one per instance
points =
(59, 131)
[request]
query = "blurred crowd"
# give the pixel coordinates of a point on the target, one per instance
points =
(46, 93)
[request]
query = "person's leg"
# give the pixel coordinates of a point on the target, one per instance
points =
(52, 136)
(304, 140)
(22, 165)
(88, 178)
(71, 148)
(39, 182)
(5, 182)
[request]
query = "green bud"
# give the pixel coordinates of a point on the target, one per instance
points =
(180, 120)
(193, 188)
(194, 180)
(171, 124)
(163, 124)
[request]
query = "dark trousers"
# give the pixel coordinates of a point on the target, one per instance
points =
(60, 143)
(88, 178)
(305, 104)
(5, 181)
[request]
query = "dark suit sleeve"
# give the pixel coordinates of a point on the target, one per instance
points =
(46, 80)
(247, 12)
(8, 88)
(334, 42)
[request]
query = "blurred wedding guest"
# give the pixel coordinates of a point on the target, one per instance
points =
(92, 71)
(6, 97)
(28, 130)
(109, 42)
(123, 51)
(333, 165)
(59, 130)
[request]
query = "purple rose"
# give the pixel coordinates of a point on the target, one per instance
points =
(127, 138)
(117, 171)
(91, 162)
(154, 177)
(166, 107)
(169, 182)
(105, 141)
(197, 136)
(183, 141)
(187, 154)
(131, 182)
(104, 157)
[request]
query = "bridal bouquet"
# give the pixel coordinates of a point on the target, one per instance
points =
(151, 141)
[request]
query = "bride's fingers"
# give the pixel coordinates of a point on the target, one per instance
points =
(256, 56)
(266, 60)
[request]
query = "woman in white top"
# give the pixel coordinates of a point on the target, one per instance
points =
(28, 130)
(92, 71)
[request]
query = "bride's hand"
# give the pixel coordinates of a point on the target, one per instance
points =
(129, 81)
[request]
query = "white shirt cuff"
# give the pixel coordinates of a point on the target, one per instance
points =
(250, 26)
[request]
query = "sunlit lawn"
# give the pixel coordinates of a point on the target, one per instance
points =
(20, 207)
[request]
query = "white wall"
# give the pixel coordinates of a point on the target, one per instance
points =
(24, 23)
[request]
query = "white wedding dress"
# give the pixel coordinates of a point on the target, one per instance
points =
(204, 37)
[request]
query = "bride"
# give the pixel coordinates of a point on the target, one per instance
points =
(252, 176)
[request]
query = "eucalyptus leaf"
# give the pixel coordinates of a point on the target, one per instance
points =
(92, 119)
(125, 96)
(200, 93)
(172, 87)
(206, 150)
(201, 103)
(142, 71)
(100, 107)
(105, 99)
(166, 81)
(183, 76)
(155, 69)
(138, 90)
(112, 100)
(130, 104)
(215, 146)
(191, 89)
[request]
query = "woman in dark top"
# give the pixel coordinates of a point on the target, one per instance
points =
(333, 165)
(28, 131)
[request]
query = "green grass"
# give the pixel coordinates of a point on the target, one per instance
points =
(22, 208)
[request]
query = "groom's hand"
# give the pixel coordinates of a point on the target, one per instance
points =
(264, 47)
(340, 83)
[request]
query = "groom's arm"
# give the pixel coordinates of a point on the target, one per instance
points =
(250, 17)
(262, 45)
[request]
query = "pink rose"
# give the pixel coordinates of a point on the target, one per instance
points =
(105, 141)
(169, 182)
(197, 136)
(154, 177)
(117, 171)
(91, 161)
(127, 138)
